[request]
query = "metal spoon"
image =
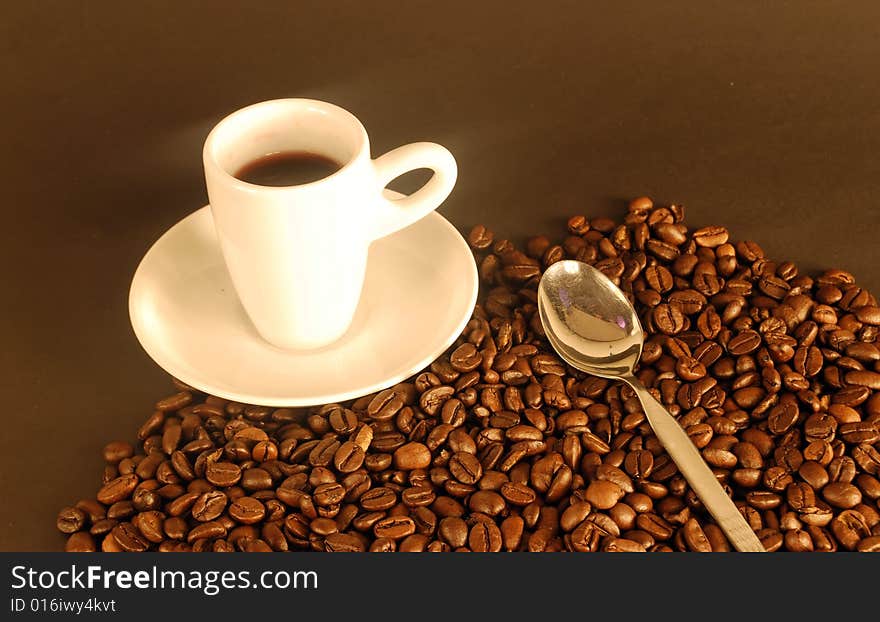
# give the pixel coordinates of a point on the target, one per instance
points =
(593, 327)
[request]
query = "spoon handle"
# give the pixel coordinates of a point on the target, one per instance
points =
(695, 470)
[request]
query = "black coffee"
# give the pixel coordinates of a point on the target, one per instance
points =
(287, 168)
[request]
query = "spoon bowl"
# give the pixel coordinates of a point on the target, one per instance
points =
(594, 328)
(588, 320)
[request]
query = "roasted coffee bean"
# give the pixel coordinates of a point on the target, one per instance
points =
(328, 494)
(255, 479)
(418, 496)
(80, 542)
(416, 543)
(151, 425)
(175, 527)
(465, 467)
(247, 510)
(659, 278)
(871, 544)
(662, 250)
(842, 469)
(174, 402)
(603, 495)
(864, 378)
(377, 462)
(349, 457)
(623, 515)
(822, 540)
(484, 537)
(223, 474)
(782, 418)
(814, 474)
(655, 525)
(432, 399)
(695, 537)
(517, 494)
(322, 454)
(867, 458)
(579, 225)
(209, 506)
(688, 368)
(585, 537)
(454, 531)
(774, 375)
(116, 451)
(103, 526)
(342, 420)
(711, 237)
(394, 527)
(743, 343)
(716, 538)
(265, 451)
(777, 478)
(869, 485)
(720, 458)
(70, 520)
(512, 532)
(378, 499)
(171, 438)
(611, 473)
(640, 502)
(323, 526)
(480, 238)
(385, 405)
(858, 432)
(622, 545)
(820, 427)
(383, 545)
(128, 538)
(849, 528)
(343, 543)
(668, 318)
(818, 515)
(574, 515)
(150, 525)
(412, 456)
(94, 510)
(487, 502)
(798, 541)
(274, 537)
(465, 358)
(842, 495)
(689, 301)
(800, 496)
(181, 504)
(763, 499)
(202, 534)
(117, 489)
(180, 465)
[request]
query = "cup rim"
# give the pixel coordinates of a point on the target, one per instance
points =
(209, 155)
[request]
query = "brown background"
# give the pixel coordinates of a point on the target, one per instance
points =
(767, 121)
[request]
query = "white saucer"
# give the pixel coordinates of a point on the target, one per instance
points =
(419, 294)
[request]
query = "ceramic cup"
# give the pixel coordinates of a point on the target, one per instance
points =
(297, 255)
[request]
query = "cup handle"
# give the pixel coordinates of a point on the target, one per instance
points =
(395, 214)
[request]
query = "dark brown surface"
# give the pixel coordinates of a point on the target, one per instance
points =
(763, 120)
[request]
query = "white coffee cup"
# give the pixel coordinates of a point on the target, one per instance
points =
(297, 255)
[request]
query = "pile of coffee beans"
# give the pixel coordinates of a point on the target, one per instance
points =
(499, 446)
